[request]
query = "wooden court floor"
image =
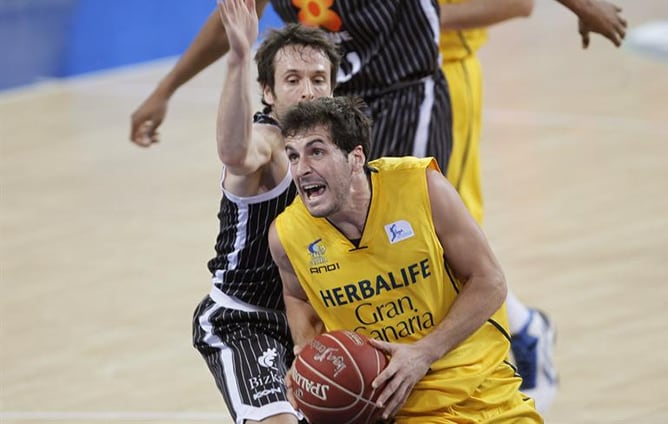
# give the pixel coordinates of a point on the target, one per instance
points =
(103, 246)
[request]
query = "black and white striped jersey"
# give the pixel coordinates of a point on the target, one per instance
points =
(243, 261)
(384, 43)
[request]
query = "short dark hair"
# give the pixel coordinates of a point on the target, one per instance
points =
(293, 35)
(345, 117)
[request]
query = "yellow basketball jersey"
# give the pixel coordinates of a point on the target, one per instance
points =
(395, 284)
(455, 45)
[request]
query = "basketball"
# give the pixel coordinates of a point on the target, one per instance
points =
(332, 376)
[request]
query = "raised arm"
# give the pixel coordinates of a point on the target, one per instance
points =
(210, 44)
(600, 17)
(236, 143)
(483, 292)
(482, 13)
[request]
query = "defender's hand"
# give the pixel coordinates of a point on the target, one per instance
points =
(603, 18)
(240, 20)
(145, 121)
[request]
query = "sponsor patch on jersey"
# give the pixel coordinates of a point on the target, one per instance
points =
(399, 230)
(317, 251)
(319, 262)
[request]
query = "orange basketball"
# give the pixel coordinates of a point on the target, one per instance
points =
(331, 379)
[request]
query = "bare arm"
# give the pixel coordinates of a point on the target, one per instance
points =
(475, 266)
(483, 292)
(482, 13)
(302, 318)
(303, 321)
(600, 17)
(241, 150)
(210, 44)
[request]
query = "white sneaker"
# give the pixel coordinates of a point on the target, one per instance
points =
(532, 353)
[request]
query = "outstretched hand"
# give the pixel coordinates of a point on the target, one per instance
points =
(603, 18)
(240, 20)
(145, 121)
(408, 364)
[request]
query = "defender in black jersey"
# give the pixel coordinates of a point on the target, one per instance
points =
(390, 58)
(240, 327)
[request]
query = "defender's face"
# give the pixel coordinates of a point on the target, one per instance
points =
(322, 172)
(300, 73)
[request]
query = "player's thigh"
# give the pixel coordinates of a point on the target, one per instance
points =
(247, 362)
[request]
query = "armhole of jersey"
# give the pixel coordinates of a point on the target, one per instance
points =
(268, 195)
(432, 165)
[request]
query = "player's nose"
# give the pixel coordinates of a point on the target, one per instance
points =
(300, 168)
(308, 93)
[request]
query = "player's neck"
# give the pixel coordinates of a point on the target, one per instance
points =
(351, 218)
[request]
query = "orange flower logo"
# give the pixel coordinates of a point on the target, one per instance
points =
(318, 13)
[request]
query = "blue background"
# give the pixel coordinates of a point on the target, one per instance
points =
(59, 38)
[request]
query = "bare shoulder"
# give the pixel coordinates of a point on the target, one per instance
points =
(448, 210)
(438, 184)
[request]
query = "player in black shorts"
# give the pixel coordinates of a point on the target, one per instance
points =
(392, 63)
(390, 58)
(240, 327)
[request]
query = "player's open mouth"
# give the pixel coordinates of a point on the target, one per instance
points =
(313, 190)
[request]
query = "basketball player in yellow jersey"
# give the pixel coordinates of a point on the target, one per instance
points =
(463, 32)
(389, 250)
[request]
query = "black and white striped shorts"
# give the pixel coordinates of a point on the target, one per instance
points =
(248, 350)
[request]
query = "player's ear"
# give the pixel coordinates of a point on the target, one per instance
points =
(357, 157)
(268, 95)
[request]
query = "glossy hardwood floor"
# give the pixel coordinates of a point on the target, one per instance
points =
(103, 245)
